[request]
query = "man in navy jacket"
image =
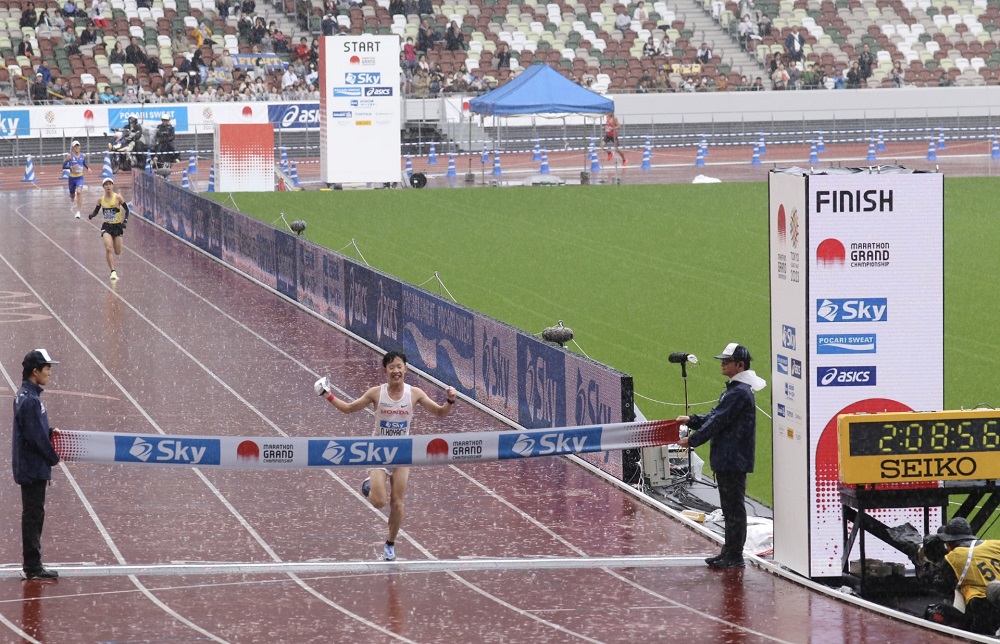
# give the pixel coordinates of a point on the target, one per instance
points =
(732, 428)
(32, 458)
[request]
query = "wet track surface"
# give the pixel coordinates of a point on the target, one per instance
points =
(182, 345)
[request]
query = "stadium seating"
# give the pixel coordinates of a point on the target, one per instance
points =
(938, 41)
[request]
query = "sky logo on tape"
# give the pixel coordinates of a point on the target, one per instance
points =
(576, 440)
(787, 337)
(167, 450)
(346, 92)
(872, 309)
(363, 78)
(375, 452)
(848, 343)
(782, 364)
(378, 91)
(845, 376)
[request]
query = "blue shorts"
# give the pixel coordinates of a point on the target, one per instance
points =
(74, 184)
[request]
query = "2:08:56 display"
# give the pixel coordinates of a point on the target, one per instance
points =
(927, 437)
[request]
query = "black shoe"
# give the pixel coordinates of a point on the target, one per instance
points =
(728, 562)
(41, 573)
(712, 560)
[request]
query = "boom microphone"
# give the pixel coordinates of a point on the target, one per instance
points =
(680, 357)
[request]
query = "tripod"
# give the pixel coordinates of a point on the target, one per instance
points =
(689, 474)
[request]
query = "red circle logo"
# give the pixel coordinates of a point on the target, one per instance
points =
(247, 111)
(437, 449)
(88, 115)
(355, 60)
(248, 451)
(831, 252)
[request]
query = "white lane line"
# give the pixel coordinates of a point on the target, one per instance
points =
(83, 499)
(614, 573)
(350, 567)
(155, 426)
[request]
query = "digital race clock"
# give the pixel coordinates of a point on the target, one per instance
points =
(919, 446)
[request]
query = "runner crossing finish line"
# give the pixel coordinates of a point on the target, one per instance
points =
(279, 452)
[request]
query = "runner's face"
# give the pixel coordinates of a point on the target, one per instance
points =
(42, 375)
(396, 370)
(109, 188)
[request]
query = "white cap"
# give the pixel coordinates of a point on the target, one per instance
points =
(74, 143)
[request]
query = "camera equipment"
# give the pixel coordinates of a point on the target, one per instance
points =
(558, 334)
(298, 226)
(680, 357)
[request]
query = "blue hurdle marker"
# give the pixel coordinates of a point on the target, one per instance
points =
(545, 163)
(756, 154)
(496, 164)
(432, 158)
(871, 151)
(538, 151)
(931, 151)
(451, 167)
(995, 150)
(813, 155)
(29, 171)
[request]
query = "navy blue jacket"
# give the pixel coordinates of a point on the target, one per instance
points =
(32, 454)
(732, 428)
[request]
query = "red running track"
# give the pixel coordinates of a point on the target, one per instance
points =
(183, 345)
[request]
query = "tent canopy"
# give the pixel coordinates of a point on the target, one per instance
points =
(541, 90)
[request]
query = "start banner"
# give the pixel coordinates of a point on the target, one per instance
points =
(278, 452)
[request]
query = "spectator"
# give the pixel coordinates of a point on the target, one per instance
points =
(60, 92)
(776, 59)
(758, 85)
(425, 37)
(301, 51)
(764, 26)
(743, 85)
(87, 96)
(865, 63)
(897, 74)
(97, 10)
(69, 40)
(25, 49)
(794, 44)
(809, 78)
(198, 71)
(266, 43)
(745, 32)
(280, 43)
(134, 55)
(258, 31)
(640, 13)
(645, 83)
(409, 55)
(779, 78)
(650, 49)
(288, 79)
(454, 38)
(88, 36)
(329, 25)
(421, 83)
(248, 7)
(39, 91)
(704, 54)
(50, 23)
(426, 7)
(662, 82)
(203, 35)
(502, 56)
(835, 80)
(397, 8)
(853, 77)
(180, 43)
(314, 52)
(117, 55)
(28, 19)
(622, 22)
(131, 93)
(69, 9)
(227, 62)
(45, 72)
(410, 7)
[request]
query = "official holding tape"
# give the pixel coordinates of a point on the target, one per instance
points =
(732, 428)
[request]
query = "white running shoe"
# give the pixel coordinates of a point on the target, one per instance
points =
(77, 215)
(114, 276)
(389, 552)
(366, 487)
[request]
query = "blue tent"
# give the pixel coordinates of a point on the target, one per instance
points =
(541, 90)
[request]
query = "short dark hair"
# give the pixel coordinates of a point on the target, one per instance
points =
(392, 355)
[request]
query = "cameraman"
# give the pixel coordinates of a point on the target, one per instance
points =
(966, 566)
(165, 141)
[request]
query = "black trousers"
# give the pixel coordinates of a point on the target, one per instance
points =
(732, 493)
(32, 520)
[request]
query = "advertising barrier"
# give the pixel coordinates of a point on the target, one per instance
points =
(512, 372)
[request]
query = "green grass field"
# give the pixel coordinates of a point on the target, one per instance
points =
(639, 272)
